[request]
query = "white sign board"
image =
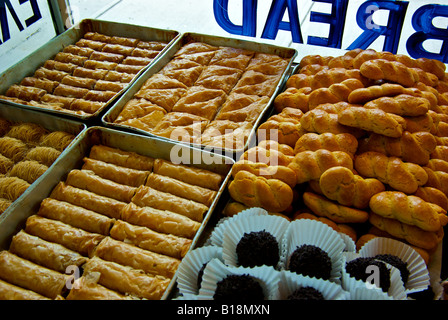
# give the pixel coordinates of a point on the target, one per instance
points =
(25, 25)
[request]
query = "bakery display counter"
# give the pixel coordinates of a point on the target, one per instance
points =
(206, 91)
(113, 220)
(31, 145)
(83, 71)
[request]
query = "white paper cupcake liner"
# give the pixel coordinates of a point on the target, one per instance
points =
(358, 288)
(313, 232)
(217, 236)
(350, 245)
(291, 281)
(418, 271)
(274, 225)
(216, 271)
(191, 265)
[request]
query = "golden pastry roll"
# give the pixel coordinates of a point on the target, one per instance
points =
(116, 76)
(70, 237)
(60, 66)
(149, 197)
(161, 221)
(79, 51)
(145, 53)
(137, 61)
(88, 200)
(191, 175)
(75, 216)
(68, 91)
(89, 181)
(152, 45)
(104, 85)
(118, 49)
(70, 58)
(28, 170)
(12, 292)
(181, 189)
(124, 41)
(86, 105)
(27, 132)
(28, 275)
(6, 164)
(103, 65)
(107, 56)
(79, 82)
(54, 75)
(100, 96)
(59, 140)
(25, 93)
(121, 158)
(127, 280)
(122, 175)
(43, 84)
(92, 44)
(87, 288)
(96, 36)
(145, 238)
(47, 254)
(12, 188)
(137, 258)
(130, 69)
(96, 74)
(44, 155)
(63, 102)
(13, 148)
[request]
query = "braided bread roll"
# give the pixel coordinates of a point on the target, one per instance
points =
(373, 120)
(332, 142)
(440, 153)
(268, 156)
(320, 121)
(335, 93)
(409, 209)
(413, 235)
(438, 165)
(309, 165)
(271, 194)
(298, 81)
(363, 95)
(343, 186)
(403, 105)
(282, 173)
(323, 207)
(402, 176)
(381, 69)
(433, 195)
(314, 59)
(437, 179)
(329, 77)
(346, 60)
(421, 123)
(293, 98)
(410, 147)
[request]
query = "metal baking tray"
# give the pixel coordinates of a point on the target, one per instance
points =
(32, 62)
(112, 114)
(15, 219)
(49, 122)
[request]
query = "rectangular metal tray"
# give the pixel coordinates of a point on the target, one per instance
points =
(49, 122)
(31, 63)
(15, 219)
(112, 114)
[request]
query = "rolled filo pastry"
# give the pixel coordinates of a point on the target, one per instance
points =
(70, 237)
(145, 238)
(89, 181)
(31, 276)
(12, 292)
(126, 280)
(48, 254)
(119, 174)
(181, 189)
(88, 200)
(137, 258)
(121, 158)
(149, 197)
(75, 216)
(160, 220)
(191, 175)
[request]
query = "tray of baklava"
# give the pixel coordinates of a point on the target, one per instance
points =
(81, 72)
(206, 91)
(120, 214)
(30, 144)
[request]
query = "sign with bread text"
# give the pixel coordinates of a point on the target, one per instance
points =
(417, 28)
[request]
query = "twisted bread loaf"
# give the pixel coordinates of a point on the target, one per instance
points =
(440, 153)
(323, 207)
(298, 81)
(410, 147)
(420, 123)
(438, 165)
(346, 60)
(363, 95)
(409, 209)
(403, 105)
(252, 191)
(437, 179)
(293, 98)
(314, 59)
(275, 145)
(282, 173)
(309, 165)
(342, 185)
(332, 142)
(335, 93)
(433, 195)
(335, 107)
(320, 121)
(373, 120)
(381, 69)
(270, 157)
(402, 176)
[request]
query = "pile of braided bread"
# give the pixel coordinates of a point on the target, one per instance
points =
(361, 143)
